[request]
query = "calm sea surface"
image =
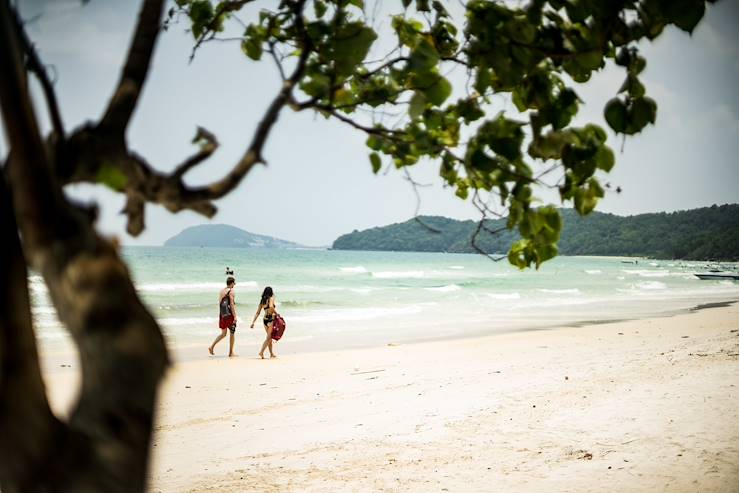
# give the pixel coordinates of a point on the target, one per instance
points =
(341, 299)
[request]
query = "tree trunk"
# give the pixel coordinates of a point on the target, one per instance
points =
(105, 444)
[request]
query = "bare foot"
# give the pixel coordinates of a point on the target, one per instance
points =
(233, 355)
(210, 350)
(261, 355)
(272, 355)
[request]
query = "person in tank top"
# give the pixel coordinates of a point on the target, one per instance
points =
(226, 316)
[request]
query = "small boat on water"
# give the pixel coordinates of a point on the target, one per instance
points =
(718, 276)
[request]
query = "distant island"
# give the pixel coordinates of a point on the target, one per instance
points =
(223, 235)
(708, 233)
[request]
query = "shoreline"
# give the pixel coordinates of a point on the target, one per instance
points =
(640, 405)
(193, 352)
(64, 360)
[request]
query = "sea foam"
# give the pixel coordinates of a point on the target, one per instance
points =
(169, 287)
(444, 289)
(647, 273)
(503, 296)
(408, 274)
(561, 291)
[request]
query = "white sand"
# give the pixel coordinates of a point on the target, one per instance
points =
(647, 405)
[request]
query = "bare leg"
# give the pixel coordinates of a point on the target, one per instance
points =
(217, 340)
(231, 341)
(267, 341)
(271, 352)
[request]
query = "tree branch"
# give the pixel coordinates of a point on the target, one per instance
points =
(484, 209)
(208, 145)
(91, 147)
(415, 186)
(480, 250)
(211, 28)
(253, 154)
(35, 66)
(126, 96)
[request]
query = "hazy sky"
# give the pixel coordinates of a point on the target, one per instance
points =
(318, 183)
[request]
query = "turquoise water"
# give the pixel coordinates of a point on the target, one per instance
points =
(339, 299)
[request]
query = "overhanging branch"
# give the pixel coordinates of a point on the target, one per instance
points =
(126, 96)
(34, 65)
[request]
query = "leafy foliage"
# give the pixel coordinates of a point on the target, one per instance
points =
(533, 55)
(709, 233)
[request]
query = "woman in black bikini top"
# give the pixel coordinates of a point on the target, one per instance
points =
(267, 303)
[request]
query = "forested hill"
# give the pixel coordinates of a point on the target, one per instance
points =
(223, 235)
(709, 233)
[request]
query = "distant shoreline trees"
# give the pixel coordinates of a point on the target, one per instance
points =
(708, 233)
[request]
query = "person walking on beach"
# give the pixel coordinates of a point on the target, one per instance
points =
(226, 316)
(267, 303)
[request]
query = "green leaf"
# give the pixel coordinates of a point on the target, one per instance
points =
(504, 136)
(320, 8)
(550, 146)
(350, 46)
(408, 31)
(252, 48)
(577, 10)
(637, 65)
(469, 110)
(519, 254)
(316, 84)
(423, 6)
(112, 177)
(586, 198)
(685, 13)
(376, 162)
(448, 169)
(604, 158)
(374, 142)
(439, 8)
(483, 80)
(480, 161)
(616, 115)
(438, 92)
(633, 85)
(417, 105)
(552, 218)
(515, 214)
(462, 190)
(643, 111)
(201, 13)
(545, 252)
(623, 57)
(423, 57)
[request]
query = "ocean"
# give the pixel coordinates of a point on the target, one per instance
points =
(334, 300)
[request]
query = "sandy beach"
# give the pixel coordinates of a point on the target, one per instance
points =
(634, 406)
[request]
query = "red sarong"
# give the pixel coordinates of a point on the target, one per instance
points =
(278, 328)
(226, 321)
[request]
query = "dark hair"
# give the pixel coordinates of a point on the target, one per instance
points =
(230, 280)
(266, 294)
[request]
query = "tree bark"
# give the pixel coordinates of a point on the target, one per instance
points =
(25, 418)
(105, 444)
